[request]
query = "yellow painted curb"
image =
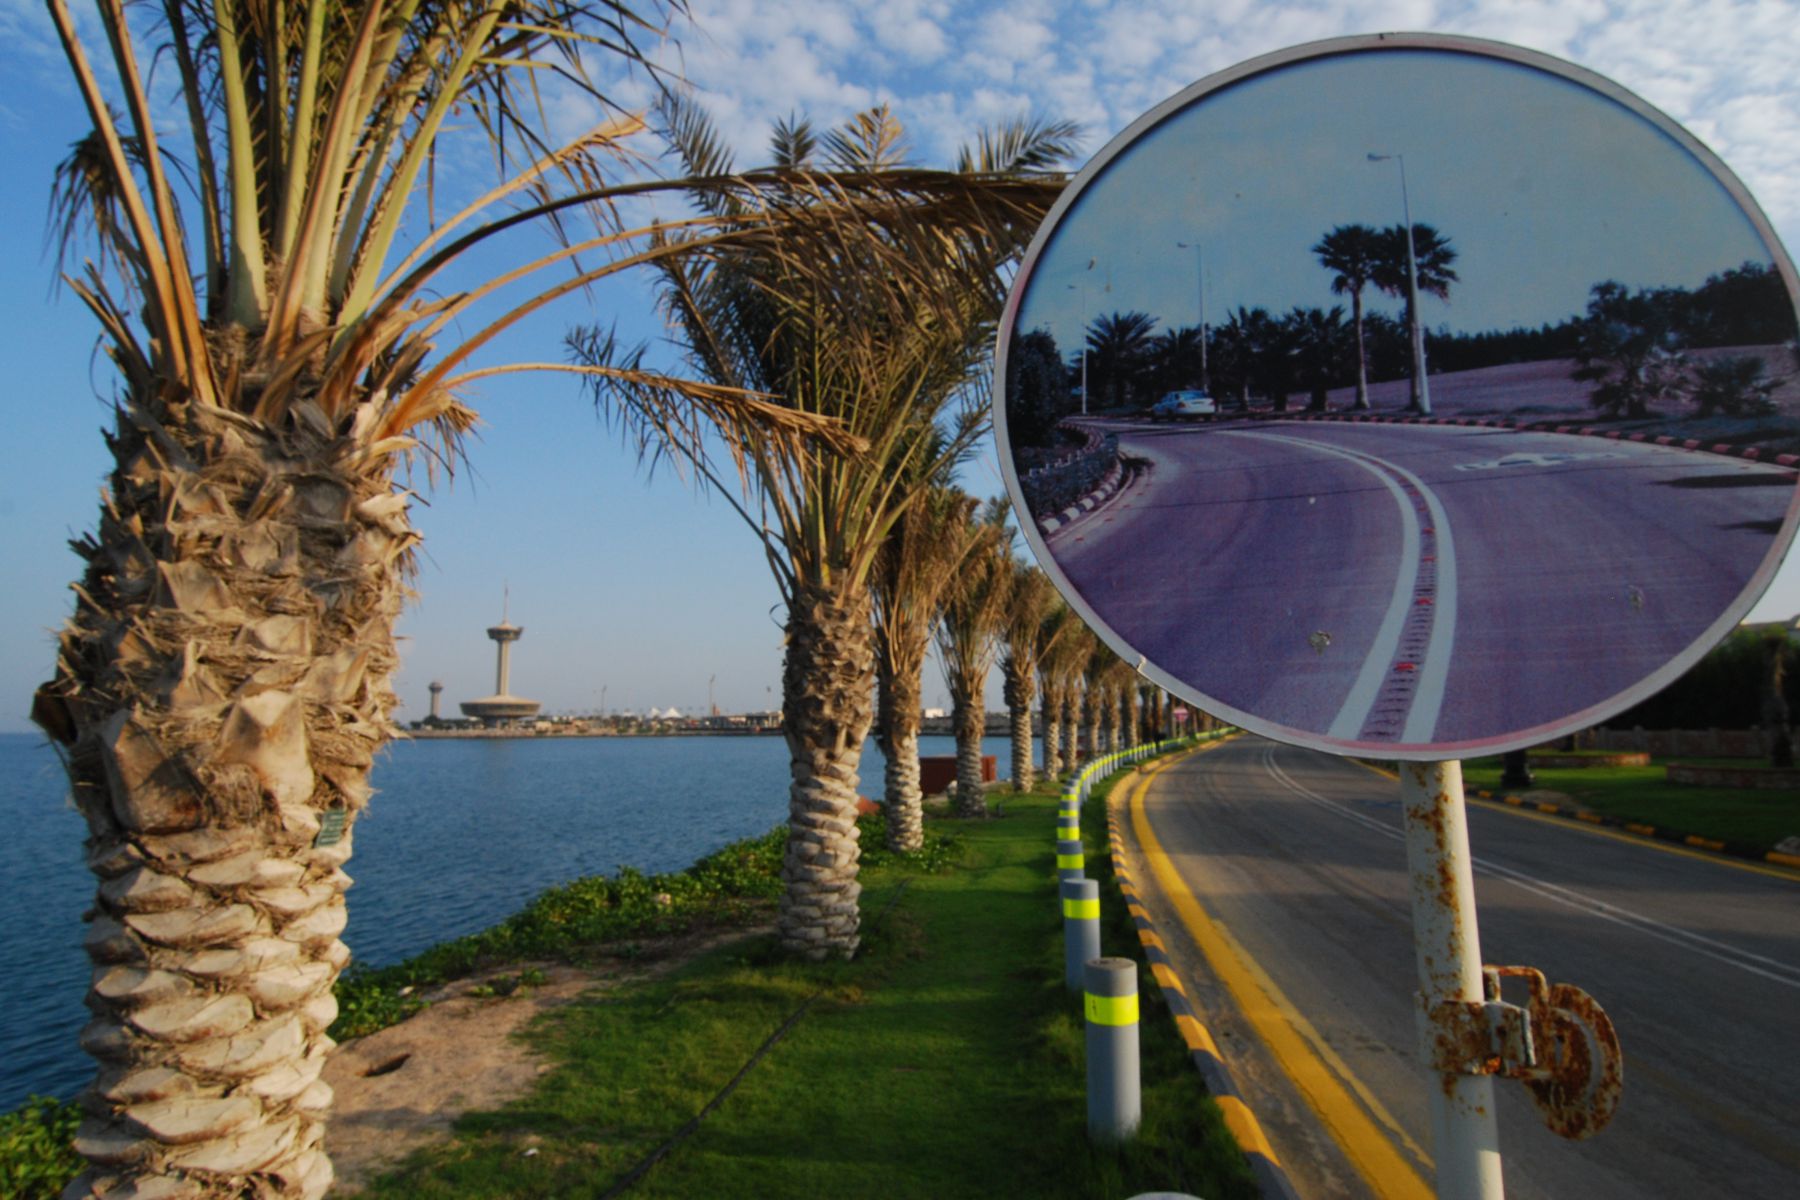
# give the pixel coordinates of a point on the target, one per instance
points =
(1245, 1128)
(1359, 1123)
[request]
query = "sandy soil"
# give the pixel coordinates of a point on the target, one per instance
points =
(402, 1088)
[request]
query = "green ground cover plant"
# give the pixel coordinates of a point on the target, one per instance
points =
(947, 1060)
(36, 1158)
(1753, 818)
(603, 915)
(733, 885)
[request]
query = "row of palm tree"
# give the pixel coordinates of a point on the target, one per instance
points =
(880, 325)
(284, 357)
(948, 575)
(1253, 352)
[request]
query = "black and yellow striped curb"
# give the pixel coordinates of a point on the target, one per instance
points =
(1271, 1176)
(1641, 829)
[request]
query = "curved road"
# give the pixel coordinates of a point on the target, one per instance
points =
(1297, 856)
(1395, 585)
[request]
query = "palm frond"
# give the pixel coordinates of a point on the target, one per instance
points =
(312, 129)
(1022, 146)
(865, 297)
(792, 144)
(872, 140)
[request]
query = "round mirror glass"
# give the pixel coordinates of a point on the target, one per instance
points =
(1417, 497)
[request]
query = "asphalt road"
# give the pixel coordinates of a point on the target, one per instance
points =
(1412, 585)
(1297, 855)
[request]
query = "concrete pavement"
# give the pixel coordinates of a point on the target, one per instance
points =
(1294, 857)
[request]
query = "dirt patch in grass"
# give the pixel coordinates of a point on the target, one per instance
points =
(403, 1088)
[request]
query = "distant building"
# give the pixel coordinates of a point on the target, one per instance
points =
(502, 707)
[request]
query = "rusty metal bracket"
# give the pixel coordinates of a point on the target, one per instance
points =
(1474, 1037)
(1574, 1069)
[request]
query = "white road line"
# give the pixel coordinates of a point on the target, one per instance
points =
(1428, 699)
(1756, 964)
(1347, 726)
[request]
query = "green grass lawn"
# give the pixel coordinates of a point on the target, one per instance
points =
(946, 1061)
(1754, 818)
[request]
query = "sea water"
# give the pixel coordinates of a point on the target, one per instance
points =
(461, 834)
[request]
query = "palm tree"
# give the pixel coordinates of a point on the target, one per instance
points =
(1629, 346)
(1082, 646)
(223, 682)
(1120, 684)
(1097, 699)
(1120, 350)
(1177, 359)
(1032, 599)
(1350, 253)
(923, 554)
(1058, 642)
(1317, 336)
(1432, 256)
(1156, 713)
(1128, 706)
(873, 302)
(1253, 354)
(970, 625)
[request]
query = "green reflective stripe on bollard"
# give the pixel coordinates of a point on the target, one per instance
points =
(1068, 833)
(1082, 910)
(1069, 861)
(1111, 1010)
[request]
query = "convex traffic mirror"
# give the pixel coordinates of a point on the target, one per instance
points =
(1407, 395)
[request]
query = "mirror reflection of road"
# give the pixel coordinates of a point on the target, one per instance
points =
(1417, 583)
(1297, 855)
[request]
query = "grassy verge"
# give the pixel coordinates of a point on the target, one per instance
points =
(611, 916)
(1754, 819)
(946, 1061)
(599, 914)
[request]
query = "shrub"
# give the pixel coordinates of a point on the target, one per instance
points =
(37, 1159)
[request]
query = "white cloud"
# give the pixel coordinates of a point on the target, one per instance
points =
(1723, 68)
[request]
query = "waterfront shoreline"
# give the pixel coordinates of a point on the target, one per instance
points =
(525, 735)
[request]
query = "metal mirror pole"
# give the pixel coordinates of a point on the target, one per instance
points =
(1466, 1142)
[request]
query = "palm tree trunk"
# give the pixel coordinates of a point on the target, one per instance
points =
(1134, 733)
(898, 722)
(969, 718)
(827, 679)
(1115, 724)
(1362, 355)
(1020, 680)
(221, 689)
(1050, 717)
(1096, 720)
(1072, 725)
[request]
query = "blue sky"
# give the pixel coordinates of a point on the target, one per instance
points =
(1543, 188)
(640, 588)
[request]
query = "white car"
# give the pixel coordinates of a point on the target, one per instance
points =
(1185, 404)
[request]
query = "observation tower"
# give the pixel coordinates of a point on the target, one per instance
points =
(502, 706)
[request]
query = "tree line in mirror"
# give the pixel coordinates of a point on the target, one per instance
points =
(1635, 346)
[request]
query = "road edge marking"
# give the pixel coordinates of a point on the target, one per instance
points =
(1326, 1087)
(1240, 1120)
(1627, 833)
